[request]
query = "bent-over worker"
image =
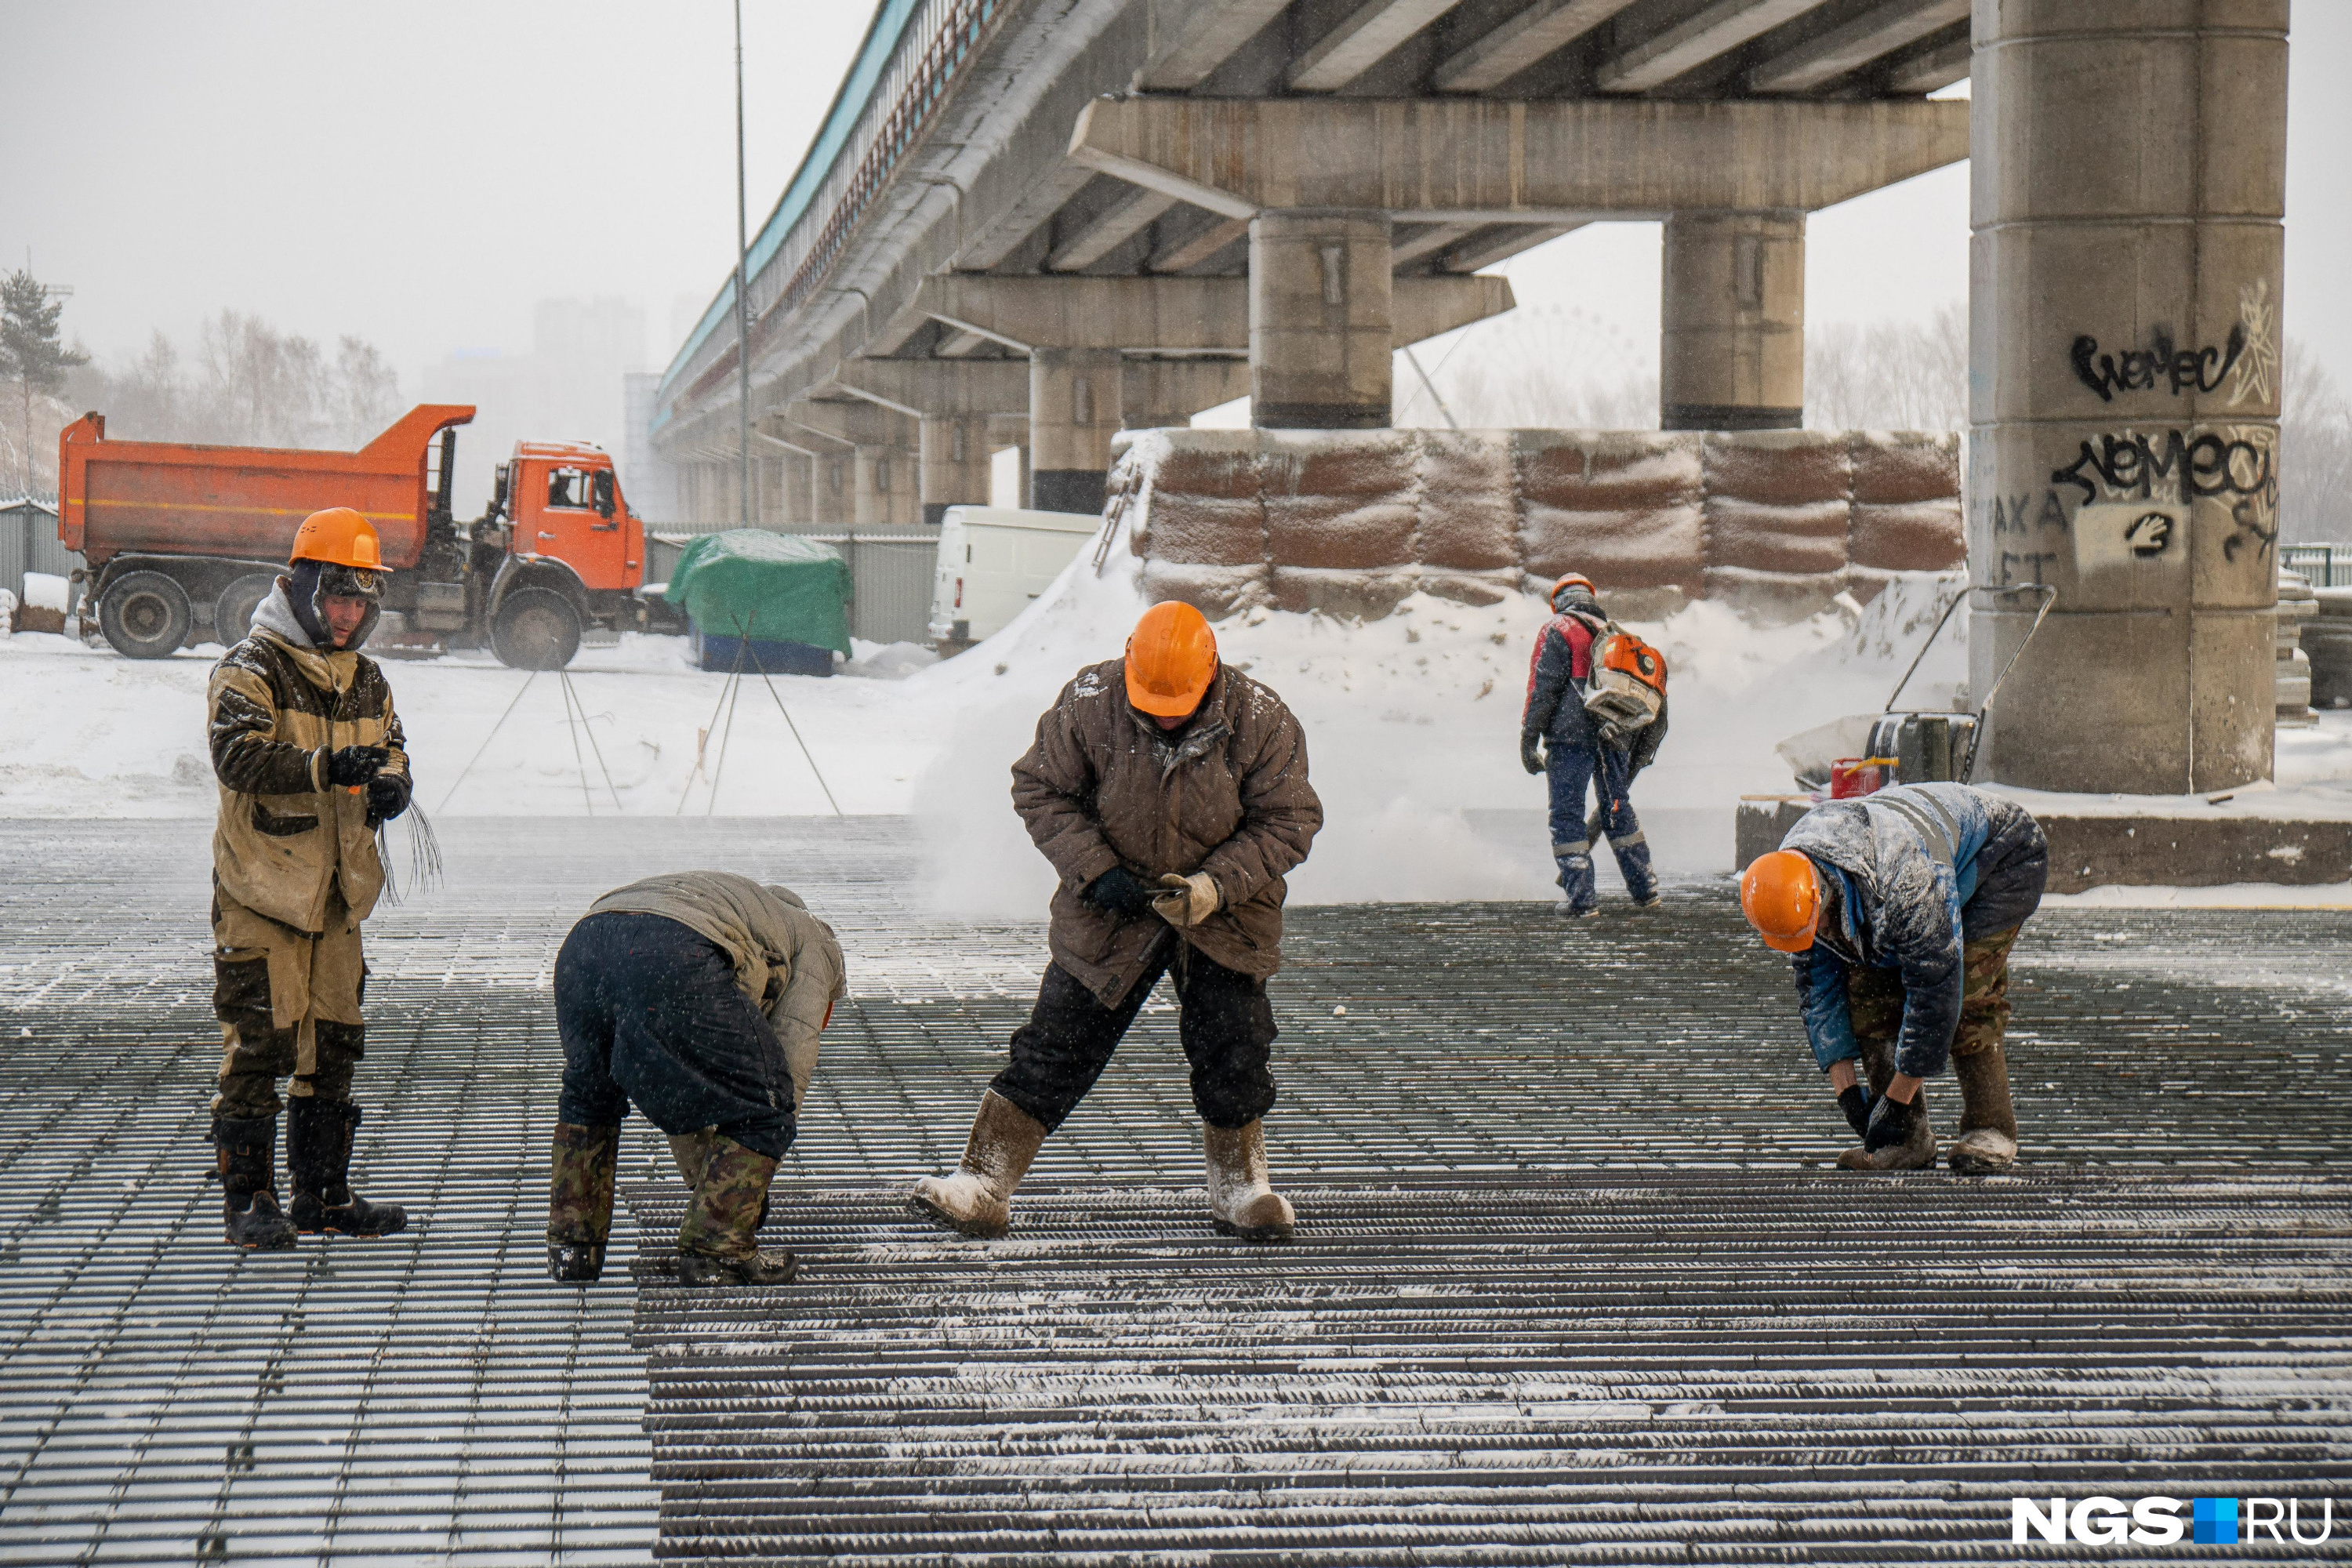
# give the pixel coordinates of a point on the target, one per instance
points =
(1900, 909)
(698, 997)
(1170, 792)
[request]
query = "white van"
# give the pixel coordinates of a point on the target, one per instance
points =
(992, 562)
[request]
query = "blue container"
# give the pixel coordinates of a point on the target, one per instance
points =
(756, 655)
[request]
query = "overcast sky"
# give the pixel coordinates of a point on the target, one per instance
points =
(420, 174)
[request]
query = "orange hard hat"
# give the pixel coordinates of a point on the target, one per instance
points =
(1171, 657)
(341, 536)
(1573, 580)
(1781, 896)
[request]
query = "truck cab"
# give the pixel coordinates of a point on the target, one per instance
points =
(568, 551)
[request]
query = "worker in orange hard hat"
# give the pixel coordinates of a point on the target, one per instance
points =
(310, 760)
(1170, 792)
(1584, 750)
(1899, 909)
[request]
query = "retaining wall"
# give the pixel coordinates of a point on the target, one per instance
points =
(1349, 522)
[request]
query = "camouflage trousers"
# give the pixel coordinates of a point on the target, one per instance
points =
(1874, 997)
(729, 1183)
(288, 1006)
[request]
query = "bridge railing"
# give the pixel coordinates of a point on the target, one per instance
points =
(900, 77)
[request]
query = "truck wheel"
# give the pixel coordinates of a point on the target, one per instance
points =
(535, 628)
(145, 614)
(233, 610)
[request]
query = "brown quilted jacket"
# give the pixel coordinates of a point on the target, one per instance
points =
(1104, 786)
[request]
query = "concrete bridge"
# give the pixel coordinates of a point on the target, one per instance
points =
(1036, 222)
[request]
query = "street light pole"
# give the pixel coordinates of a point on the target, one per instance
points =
(742, 305)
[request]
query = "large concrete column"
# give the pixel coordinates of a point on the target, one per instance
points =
(955, 463)
(2128, 187)
(1731, 339)
(880, 472)
(1072, 414)
(1319, 336)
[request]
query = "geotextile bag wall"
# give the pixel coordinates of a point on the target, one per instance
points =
(1349, 522)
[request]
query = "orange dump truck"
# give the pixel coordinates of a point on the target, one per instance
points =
(182, 541)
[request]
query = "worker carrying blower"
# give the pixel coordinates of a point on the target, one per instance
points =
(310, 760)
(697, 997)
(1595, 717)
(1901, 908)
(1170, 792)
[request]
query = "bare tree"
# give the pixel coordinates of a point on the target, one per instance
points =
(1889, 376)
(2314, 452)
(248, 385)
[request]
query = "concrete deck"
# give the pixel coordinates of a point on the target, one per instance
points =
(1573, 1281)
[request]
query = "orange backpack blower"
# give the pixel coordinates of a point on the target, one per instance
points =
(1627, 690)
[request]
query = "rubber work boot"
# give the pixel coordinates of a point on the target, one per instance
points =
(248, 1149)
(1988, 1142)
(720, 1242)
(319, 1166)
(1914, 1152)
(580, 1202)
(978, 1198)
(1242, 1200)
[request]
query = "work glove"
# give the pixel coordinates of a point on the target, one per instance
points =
(387, 797)
(355, 764)
(1854, 1100)
(1120, 891)
(1189, 900)
(1890, 1122)
(1531, 755)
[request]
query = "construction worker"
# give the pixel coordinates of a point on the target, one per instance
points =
(1901, 908)
(1170, 792)
(310, 757)
(697, 997)
(1558, 737)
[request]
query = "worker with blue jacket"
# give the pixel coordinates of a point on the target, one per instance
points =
(1899, 908)
(1584, 758)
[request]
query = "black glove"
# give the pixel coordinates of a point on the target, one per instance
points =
(1854, 1100)
(1890, 1123)
(355, 764)
(387, 797)
(1120, 891)
(1531, 751)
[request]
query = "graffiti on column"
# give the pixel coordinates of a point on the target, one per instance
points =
(2257, 368)
(2235, 465)
(2142, 370)
(2022, 536)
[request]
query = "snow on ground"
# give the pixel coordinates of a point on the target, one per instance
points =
(1413, 727)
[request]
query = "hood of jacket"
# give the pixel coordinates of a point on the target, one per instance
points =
(329, 670)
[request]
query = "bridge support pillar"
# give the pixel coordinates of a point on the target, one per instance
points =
(955, 463)
(1074, 396)
(1320, 334)
(2125, 277)
(1731, 350)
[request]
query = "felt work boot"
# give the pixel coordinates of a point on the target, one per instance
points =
(580, 1202)
(1242, 1200)
(319, 1164)
(720, 1242)
(1988, 1142)
(1916, 1151)
(248, 1149)
(978, 1198)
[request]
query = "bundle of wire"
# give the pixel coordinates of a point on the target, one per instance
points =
(424, 856)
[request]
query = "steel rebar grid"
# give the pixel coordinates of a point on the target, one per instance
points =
(1564, 1290)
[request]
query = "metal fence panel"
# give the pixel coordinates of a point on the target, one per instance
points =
(2328, 566)
(29, 542)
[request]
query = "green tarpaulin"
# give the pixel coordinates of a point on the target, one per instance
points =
(776, 588)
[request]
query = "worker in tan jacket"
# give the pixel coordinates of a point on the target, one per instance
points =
(310, 757)
(1170, 792)
(697, 997)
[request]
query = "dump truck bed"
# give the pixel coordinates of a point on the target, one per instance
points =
(121, 498)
